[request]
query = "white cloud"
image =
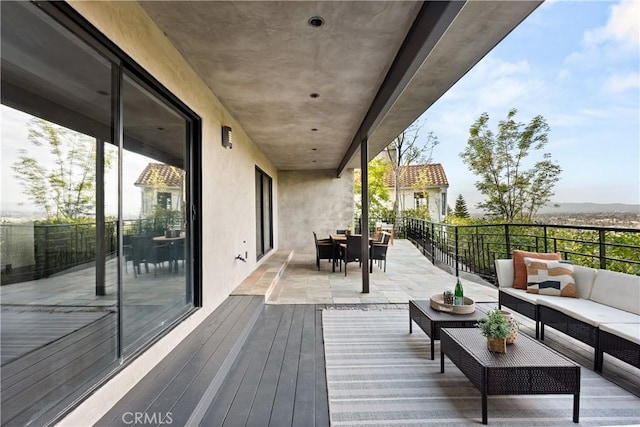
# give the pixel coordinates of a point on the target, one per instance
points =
(622, 82)
(563, 74)
(496, 85)
(623, 26)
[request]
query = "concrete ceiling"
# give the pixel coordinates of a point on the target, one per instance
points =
(263, 60)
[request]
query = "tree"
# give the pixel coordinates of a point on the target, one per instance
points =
(406, 149)
(500, 161)
(461, 210)
(378, 191)
(64, 185)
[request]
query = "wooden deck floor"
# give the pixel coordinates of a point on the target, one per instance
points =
(275, 378)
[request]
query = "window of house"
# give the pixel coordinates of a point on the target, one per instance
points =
(88, 278)
(164, 200)
(420, 199)
(264, 213)
(444, 203)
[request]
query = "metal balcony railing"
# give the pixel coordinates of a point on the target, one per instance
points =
(474, 248)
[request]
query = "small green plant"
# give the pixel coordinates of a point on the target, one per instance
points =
(495, 325)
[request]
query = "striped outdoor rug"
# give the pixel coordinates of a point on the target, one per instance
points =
(380, 375)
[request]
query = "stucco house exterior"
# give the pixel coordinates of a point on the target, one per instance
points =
(309, 90)
(422, 186)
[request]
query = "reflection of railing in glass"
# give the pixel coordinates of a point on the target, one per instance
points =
(46, 249)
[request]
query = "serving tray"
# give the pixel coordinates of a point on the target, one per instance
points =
(437, 303)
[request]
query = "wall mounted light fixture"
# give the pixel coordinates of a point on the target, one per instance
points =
(227, 140)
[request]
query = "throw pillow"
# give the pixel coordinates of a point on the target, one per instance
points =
(520, 270)
(546, 277)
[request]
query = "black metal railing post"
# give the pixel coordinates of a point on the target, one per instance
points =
(602, 251)
(507, 239)
(456, 251)
(433, 248)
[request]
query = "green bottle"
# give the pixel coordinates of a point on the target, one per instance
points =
(458, 296)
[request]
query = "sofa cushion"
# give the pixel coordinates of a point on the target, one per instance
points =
(588, 311)
(504, 272)
(525, 296)
(584, 280)
(550, 277)
(617, 290)
(628, 331)
(520, 270)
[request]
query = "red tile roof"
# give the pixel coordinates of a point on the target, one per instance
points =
(158, 173)
(413, 173)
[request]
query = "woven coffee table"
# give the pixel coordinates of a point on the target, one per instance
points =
(528, 367)
(430, 320)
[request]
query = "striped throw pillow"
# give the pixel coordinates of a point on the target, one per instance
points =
(550, 277)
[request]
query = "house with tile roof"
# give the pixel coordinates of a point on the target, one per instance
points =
(421, 186)
(161, 185)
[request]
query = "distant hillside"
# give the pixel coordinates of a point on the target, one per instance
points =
(580, 208)
(569, 208)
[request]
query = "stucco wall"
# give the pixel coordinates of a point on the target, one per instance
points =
(435, 201)
(312, 201)
(228, 200)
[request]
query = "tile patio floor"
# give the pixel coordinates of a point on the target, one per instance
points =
(409, 275)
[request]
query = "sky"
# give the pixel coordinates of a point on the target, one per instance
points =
(576, 63)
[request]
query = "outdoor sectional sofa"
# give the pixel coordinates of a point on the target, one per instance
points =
(606, 314)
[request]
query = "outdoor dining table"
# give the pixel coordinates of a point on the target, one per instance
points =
(340, 239)
(171, 241)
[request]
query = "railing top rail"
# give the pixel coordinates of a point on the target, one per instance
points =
(502, 224)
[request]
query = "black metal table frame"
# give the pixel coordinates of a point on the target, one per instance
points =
(481, 375)
(431, 327)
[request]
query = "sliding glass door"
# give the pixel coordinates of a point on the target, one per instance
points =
(264, 213)
(96, 258)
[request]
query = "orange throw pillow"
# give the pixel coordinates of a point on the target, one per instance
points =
(520, 270)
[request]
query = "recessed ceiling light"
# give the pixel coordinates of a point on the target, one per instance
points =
(314, 95)
(316, 21)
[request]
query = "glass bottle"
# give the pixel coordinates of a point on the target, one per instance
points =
(458, 295)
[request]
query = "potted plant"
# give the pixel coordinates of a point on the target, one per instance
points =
(496, 327)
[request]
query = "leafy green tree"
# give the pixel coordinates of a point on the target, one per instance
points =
(64, 184)
(378, 192)
(513, 191)
(461, 210)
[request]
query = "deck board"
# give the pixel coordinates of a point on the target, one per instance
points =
(197, 357)
(263, 403)
(321, 392)
(278, 380)
(304, 410)
(285, 397)
(258, 355)
(217, 412)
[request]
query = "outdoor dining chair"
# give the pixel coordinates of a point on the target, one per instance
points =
(351, 251)
(378, 251)
(324, 249)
